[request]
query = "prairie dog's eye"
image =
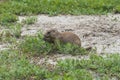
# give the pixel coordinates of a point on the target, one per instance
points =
(53, 31)
(48, 32)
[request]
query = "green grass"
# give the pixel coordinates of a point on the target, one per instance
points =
(15, 65)
(54, 7)
(6, 36)
(9, 9)
(37, 46)
(10, 33)
(76, 74)
(30, 20)
(7, 18)
(15, 30)
(107, 67)
(70, 49)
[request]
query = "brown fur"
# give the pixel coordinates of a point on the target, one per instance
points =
(65, 37)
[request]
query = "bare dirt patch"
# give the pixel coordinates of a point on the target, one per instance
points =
(101, 32)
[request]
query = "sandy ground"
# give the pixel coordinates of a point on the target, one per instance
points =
(100, 32)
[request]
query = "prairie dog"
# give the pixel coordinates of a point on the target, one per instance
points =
(65, 37)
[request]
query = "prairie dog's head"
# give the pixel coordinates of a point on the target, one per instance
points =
(51, 35)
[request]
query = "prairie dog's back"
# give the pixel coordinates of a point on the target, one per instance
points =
(70, 37)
